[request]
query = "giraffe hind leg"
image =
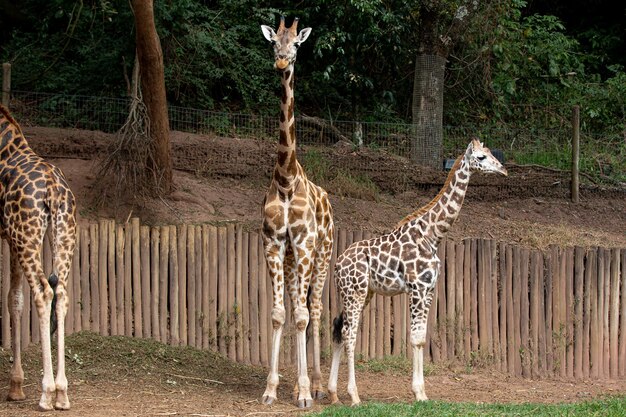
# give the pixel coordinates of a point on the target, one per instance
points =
(53, 280)
(16, 305)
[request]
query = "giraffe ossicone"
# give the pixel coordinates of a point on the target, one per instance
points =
(297, 232)
(34, 197)
(402, 261)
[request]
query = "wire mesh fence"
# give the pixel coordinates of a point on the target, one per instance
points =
(550, 147)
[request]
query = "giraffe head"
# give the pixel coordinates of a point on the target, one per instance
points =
(286, 42)
(481, 159)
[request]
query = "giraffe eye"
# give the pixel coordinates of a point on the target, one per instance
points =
(297, 45)
(482, 157)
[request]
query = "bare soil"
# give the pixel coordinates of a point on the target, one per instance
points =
(223, 180)
(120, 376)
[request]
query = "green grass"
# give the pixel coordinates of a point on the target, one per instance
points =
(609, 407)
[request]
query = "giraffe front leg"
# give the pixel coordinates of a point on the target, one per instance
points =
(275, 253)
(420, 304)
(278, 320)
(16, 305)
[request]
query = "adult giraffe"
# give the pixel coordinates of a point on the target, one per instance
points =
(297, 231)
(33, 195)
(402, 261)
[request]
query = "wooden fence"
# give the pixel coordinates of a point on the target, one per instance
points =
(559, 312)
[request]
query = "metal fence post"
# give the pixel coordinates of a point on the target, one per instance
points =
(575, 151)
(6, 84)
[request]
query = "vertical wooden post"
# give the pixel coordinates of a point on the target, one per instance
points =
(231, 282)
(535, 294)
(503, 308)
(265, 291)
(128, 280)
(587, 313)
(181, 244)
(174, 289)
(6, 84)
(595, 361)
(605, 314)
(222, 290)
(191, 285)
(103, 246)
(112, 278)
(575, 151)
(622, 324)
(155, 237)
(199, 287)
(525, 314)
(75, 284)
(164, 256)
(579, 255)
(93, 278)
(474, 293)
(460, 312)
(245, 296)
(510, 317)
(205, 299)
(84, 280)
(253, 293)
(136, 274)
(450, 263)
(614, 312)
(211, 295)
(120, 264)
(467, 300)
(146, 297)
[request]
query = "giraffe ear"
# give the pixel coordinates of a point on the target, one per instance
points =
(304, 34)
(268, 32)
(476, 144)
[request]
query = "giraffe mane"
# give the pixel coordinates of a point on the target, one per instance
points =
(9, 117)
(424, 209)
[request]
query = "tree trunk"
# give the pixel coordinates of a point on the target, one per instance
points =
(153, 90)
(427, 110)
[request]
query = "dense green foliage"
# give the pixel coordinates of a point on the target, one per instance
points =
(358, 63)
(610, 407)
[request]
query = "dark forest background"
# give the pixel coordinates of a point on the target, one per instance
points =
(358, 64)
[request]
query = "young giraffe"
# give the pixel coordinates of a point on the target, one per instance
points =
(402, 261)
(33, 194)
(297, 231)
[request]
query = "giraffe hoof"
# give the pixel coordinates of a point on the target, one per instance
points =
(45, 407)
(319, 395)
(305, 403)
(62, 402)
(267, 400)
(16, 393)
(16, 396)
(333, 398)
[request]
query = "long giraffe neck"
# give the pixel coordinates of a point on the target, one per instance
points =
(11, 138)
(286, 165)
(435, 218)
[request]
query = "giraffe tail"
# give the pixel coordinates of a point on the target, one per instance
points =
(337, 327)
(53, 280)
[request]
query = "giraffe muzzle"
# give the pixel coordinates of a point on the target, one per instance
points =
(281, 64)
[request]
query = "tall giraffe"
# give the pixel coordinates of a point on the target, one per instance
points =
(297, 231)
(33, 195)
(402, 261)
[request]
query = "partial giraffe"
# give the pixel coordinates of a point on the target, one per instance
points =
(297, 231)
(402, 261)
(33, 195)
